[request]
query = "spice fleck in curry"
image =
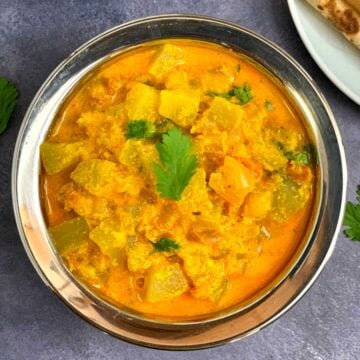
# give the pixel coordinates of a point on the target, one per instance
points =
(178, 179)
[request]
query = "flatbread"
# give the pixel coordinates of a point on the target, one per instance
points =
(343, 14)
(355, 4)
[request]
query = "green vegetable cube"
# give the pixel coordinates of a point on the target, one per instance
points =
(96, 176)
(139, 153)
(128, 155)
(142, 103)
(138, 259)
(206, 274)
(70, 234)
(167, 58)
(165, 282)
(181, 106)
(224, 114)
(59, 156)
(195, 198)
(289, 198)
(110, 238)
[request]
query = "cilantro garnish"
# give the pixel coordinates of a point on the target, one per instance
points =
(8, 98)
(269, 105)
(306, 156)
(300, 158)
(280, 145)
(352, 218)
(165, 244)
(226, 96)
(140, 129)
(312, 153)
(242, 93)
(177, 164)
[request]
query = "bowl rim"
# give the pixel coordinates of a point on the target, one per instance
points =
(210, 21)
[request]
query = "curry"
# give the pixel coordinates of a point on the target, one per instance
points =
(178, 179)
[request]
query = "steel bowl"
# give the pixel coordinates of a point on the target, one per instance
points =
(234, 324)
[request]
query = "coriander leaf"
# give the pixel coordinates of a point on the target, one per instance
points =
(165, 244)
(269, 105)
(280, 145)
(226, 96)
(305, 157)
(302, 158)
(238, 67)
(140, 129)
(242, 93)
(312, 153)
(289, 155)
(177, 165)
(8, 98)
(352, 218)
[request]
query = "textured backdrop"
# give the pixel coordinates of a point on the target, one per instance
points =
(34, 37)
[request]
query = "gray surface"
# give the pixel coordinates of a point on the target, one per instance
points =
(34, 37)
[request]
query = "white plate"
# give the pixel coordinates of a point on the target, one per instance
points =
(338, 58)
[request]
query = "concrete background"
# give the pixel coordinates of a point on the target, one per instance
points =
(34, 37)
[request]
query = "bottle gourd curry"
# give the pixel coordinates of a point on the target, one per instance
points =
(178, 179)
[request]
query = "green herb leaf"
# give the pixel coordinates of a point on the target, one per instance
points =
(302, 158)
(140, 129)
(177, 164)
(165, 244)
(280, 145)
(242, 93)
(226, 96)
(269, 105)
(289, 155)
(352, 218)
(8, 98)
(312, 153)
(238, 67)
(305, 157)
